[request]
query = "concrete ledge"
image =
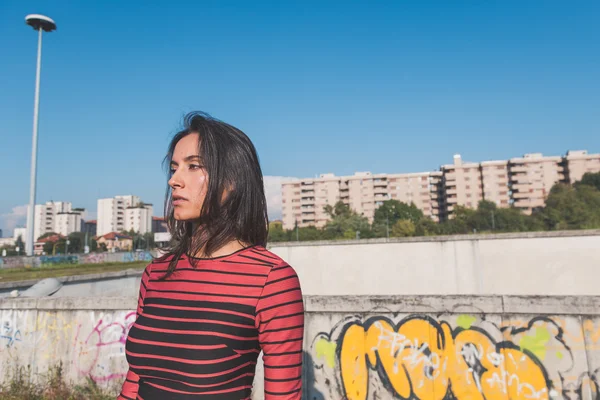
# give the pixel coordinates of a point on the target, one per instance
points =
(69, 303)
(580, 305)
(550, 305)
(404, 304)
(75, 278)
(448, 238)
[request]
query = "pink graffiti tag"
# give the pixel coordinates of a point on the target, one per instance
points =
(98, 344)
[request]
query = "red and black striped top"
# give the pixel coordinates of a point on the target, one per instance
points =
(198, 333)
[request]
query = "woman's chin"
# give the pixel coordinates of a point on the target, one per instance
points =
(183, 217)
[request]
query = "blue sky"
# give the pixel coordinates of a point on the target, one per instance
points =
(396, 86)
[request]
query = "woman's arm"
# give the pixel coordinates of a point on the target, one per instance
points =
(130, 386)
(280, 322)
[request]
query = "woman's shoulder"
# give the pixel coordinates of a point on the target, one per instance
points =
(267, 256)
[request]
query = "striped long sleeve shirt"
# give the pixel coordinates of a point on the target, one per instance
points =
(198, 333)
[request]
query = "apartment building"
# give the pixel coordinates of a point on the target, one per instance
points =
(69, 222)
(304, 200)
(139, 218)
(523, 182)
(531, 178)
(495, 182)
(579, 162)
(422, 189)
(111, 213)
(56, 216)
(462, 185)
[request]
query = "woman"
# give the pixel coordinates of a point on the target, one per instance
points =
(218, 297)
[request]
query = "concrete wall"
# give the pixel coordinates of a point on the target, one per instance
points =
(548, 263)
(543, 263)
(119, 283)
(91, 258)
(425, 347)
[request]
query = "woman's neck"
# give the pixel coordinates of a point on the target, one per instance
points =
(228, 248)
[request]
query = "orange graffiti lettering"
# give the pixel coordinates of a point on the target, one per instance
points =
(424, 359)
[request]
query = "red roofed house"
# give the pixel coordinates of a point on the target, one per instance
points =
(116, 242)
(38, 246)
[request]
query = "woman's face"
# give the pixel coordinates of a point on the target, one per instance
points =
(188, 180)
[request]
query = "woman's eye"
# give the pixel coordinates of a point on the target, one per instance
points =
(171, 171)
(195, 166)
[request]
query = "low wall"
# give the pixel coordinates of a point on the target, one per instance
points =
(91, 258)
(357, 347)
(105, 284)
(540, 263)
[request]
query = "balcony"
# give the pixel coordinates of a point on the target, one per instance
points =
(520, 177)
(520, 186)
(450, 176)
(518, 168)
(452, 191)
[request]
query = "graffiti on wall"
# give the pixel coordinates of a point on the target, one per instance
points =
(91, 344)
(53, 260)
(137, 256)
(463, 357)
(96, 347)
(90, 258)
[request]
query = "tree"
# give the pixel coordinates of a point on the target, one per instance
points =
(93, 243)
(572, 207)
(277, 233)
(76, 242)
(309, 233)
(590, 179)
(19, 244)
(426, 227)
(403, 228)
(49, 247)
(459, 224)
(390, 212)
(149, 240)
(512, 220)
(345, 223)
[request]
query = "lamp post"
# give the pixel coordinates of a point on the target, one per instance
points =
(39, 23)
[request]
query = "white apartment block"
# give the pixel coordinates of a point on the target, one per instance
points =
(56, 216)
(68, 222)
(111, 213)
(139, 218)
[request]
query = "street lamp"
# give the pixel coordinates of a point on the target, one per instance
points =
(39, 23)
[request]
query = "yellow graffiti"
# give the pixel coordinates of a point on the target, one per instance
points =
(422, 359)
(326, 349)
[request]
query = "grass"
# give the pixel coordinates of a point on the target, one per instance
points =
(57, 270)
(50, 386)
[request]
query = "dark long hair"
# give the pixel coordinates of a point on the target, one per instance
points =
(232, 165)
